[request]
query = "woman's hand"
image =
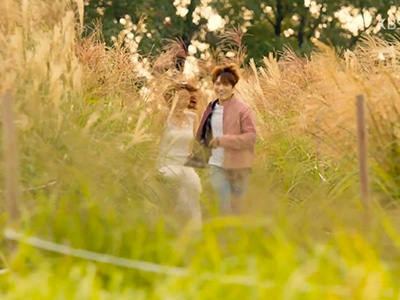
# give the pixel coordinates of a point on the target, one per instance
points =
(214, 143)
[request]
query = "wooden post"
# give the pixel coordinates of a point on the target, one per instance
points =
(362, 150)
(10, 157)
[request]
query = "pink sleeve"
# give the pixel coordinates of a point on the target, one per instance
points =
(246, 139)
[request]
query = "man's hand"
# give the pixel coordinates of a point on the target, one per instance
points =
(214, 143)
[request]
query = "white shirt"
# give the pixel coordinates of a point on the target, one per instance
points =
(217, 154)
(175, 143)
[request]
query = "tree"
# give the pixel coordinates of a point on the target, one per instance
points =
(269, 25)
(161, 19)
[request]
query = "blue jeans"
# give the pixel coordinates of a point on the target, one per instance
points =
(228, 184)
(221, 186)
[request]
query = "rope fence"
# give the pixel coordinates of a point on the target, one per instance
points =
(39, 243)
(247, 281)
(93, 256)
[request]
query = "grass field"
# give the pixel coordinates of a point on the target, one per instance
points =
(89, 122)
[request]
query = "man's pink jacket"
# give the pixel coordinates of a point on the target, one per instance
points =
(239, 133)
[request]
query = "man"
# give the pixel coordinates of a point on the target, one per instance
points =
(231, 124)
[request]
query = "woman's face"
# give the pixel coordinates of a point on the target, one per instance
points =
(193, 100)
(183, 99)
(223, 91)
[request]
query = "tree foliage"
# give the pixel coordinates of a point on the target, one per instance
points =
(268, 25)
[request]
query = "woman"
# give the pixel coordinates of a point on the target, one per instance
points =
(233, 135)
(175, 148)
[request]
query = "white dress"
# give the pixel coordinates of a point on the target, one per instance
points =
(174, 150)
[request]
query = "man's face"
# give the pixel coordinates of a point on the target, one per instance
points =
(223, 91)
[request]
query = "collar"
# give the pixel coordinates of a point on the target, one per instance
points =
(226, 102)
